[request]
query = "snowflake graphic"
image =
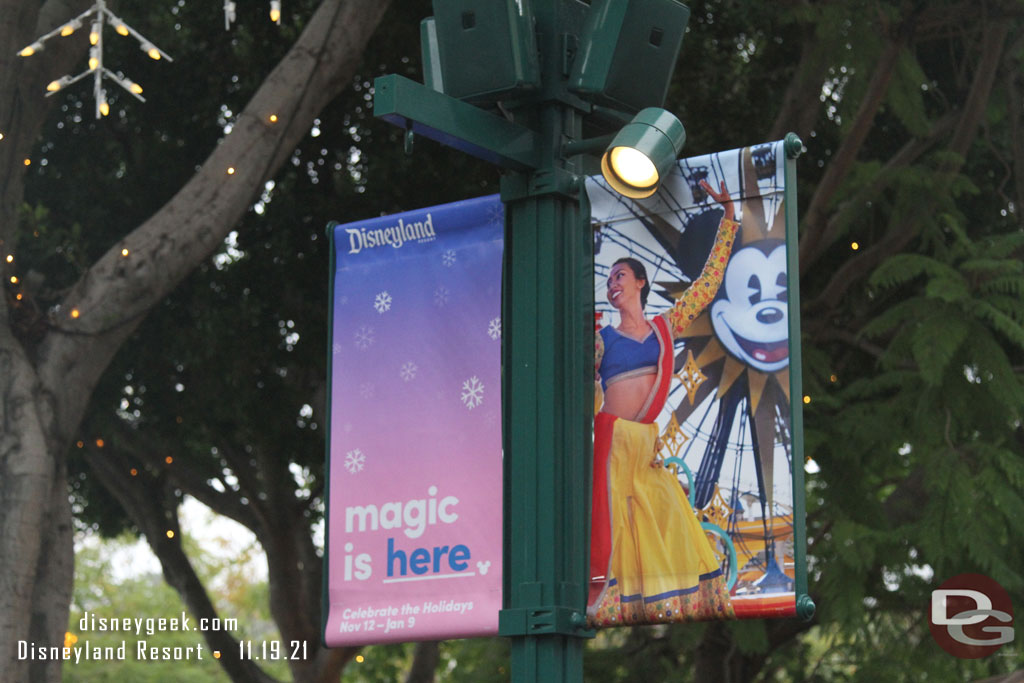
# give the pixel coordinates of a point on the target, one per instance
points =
(366, 389)
(355, 460)
(448, 258)
(336, 348)
(497, 214)
(364, 337)
(441, 295)
(408, 371)
(494, 329)
(472, 392)
(382, 302)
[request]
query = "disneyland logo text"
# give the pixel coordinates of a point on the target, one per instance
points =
(394, 236)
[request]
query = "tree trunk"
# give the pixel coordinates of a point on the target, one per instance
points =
(44, 391)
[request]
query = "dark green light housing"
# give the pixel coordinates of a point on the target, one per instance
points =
(643, 152)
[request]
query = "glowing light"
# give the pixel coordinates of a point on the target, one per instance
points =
(134, 472)
(854, 245)
(216, 654)
(30, 50)
(170, 534)
(80, 444)
(275, 11)
(807, 399)
(104, 108)
(1, 136)
(360, 659)
(75, 313)
(153, 53)
(10, 258)
(14, 280)
(54, 86)
(94, 34)
(273, 118)
(69, 29)
(168, 460)
(833, 378)
(93, 63)
(125, 252)
(121, 29)
(634, 167)
(231, 170)
(70, 639)
(28, 162)
(100, 443)
(135, 88)
(18, 296)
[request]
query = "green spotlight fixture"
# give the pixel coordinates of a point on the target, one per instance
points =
(643, 152)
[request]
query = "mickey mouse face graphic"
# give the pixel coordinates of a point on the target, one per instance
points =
(751, 320)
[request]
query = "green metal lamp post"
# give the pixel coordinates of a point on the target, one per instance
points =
(557, 67)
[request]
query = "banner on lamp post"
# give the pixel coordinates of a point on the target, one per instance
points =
(415, 465)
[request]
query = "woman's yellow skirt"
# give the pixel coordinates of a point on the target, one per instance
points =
(662, 568)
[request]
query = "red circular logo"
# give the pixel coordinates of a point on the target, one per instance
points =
(971, 616)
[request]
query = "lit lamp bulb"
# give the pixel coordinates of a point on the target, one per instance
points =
(94, 58)
(135, 88)
(104, 106)
(121, 29)
(54, 86)
(30, 50)
(94, 34)
(643, 152)
(70, 28)
(150, 49)
(275, 11)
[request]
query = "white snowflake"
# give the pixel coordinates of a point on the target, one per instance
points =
(336, 348)
(364, 337)
(355, 460)
(448, 258)
(494, 329)
(441, 296)
(366, 389)
(497, 214)
(408, 371)
(472, 392)
(382, 302)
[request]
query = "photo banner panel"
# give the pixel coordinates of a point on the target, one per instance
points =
(694, 496)
(415, 466)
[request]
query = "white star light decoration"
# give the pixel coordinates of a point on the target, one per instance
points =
(230, 15)
(99, 15)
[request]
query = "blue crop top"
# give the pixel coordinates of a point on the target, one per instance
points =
(626, 357)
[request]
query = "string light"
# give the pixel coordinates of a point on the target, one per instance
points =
(360, 659)
(99, 16)
(10, 258)
(273, 119)
(807, 399)
(14, 280)
(28, 162)
(18, 296)
(170, 534)
(80, 444)
(854, 245)
(231, 170)
(125, 252)
(75, 313)
(168, 460)
(134, 472)
(231, 12)
(100, 443)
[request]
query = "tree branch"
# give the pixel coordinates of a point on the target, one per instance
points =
(153, 516)
(899, 236)
(839, 168)
(118, 290)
